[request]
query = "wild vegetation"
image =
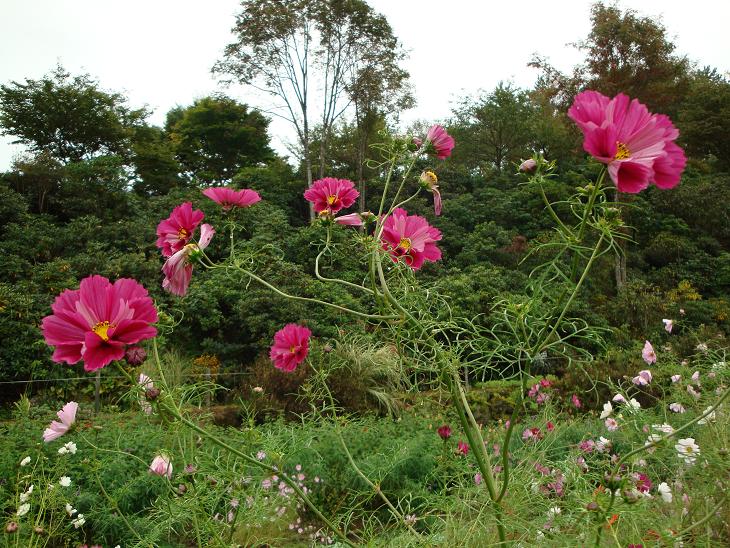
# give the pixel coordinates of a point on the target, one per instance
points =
(505, 328)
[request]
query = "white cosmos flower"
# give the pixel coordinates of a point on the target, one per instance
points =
(633, 404)
(65, 481)
(607, 410)
(665, 492)
(79, 521)
(71, 447)
(23, 509)
(687, 449)
(708, 418)
(25, 461)
(665, 428)
(70, 510)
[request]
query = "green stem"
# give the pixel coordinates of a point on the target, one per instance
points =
(704, 520)
(334, 280)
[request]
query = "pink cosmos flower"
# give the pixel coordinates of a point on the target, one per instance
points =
(637, 146)
(176, 231)
(668, 325)
(463, 448)
(178, 269)
(643, 378)
(576, 401)
(611, 424)
(57, 429)
(161, 466)
(442, 142)
(477, 479)
(429, 181)
(290, 348)
(550, 426)
(229, 198)
(532, 434)
(643, 483)
(351, 219)
(96, 322)
(587, 446)
(444, 432)
(410, 237)
(329, 195)
(618, 398)
(648, 353)
(676, 378)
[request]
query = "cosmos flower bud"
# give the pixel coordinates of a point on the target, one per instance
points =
(152, 393)
(135, 355)
(528, 166)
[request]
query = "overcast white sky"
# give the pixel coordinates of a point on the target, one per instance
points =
(159, 52)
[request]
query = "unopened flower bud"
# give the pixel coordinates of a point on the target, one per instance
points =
(327, 348)
(152, 393)
(630, 496)
(182, 488)
(39, 530)
(592, 506)
(135, 355)
(528, 166)
(612, 481)
(11, 527)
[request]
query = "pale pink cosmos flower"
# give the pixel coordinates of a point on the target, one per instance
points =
(178, 269)
(176, 231)
(611, 424)
(643, 378)
(290, 348)
(329, 195)
(676, 407)
(161, 466)
(668, 325)
(477, 479)
(96, 322)
(696, 376)
(618, 398)
(692, 392)
(441, 141)
(676, 378)
(410, 237)
(528, 166)
(57, 429)
(637, 146)
(576, 401)
(648, 353)
(229, 198)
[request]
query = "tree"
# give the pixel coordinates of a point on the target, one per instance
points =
(217, 136)
(70, 119)
(305, 52)
(156, 167)
(494, 129)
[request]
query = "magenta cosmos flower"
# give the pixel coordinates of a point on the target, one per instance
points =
(178, 269)
(161, 466)
(176, 231)
(58, 429)
(410, 237)
(329, 195)
(442, 142)
(637, 146)
(97, 321)
(229, 198)
(444, 432)
(290, 348)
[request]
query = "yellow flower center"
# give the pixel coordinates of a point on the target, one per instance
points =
(429, 177)
(182, 234)
(405, 244)
(101, 329)
(622, 151)
(688, 449)
(331, 199)
(293, 349)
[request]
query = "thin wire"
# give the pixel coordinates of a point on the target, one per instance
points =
(68, 379)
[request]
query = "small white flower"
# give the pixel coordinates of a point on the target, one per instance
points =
(708, 418)
(71, 447)
(692, 392)
(554, 511)
(665, 492)
(70, 510)
(23, 509)
(702, 347)
(62, 450)
(719, 365)
(665, 428)
(260, 455)
(65, 481)
(25, 461)
(633, 404)
(79, 521)
(607, 410)
(677, 407)
(668, 325)
(603, 444)
(687, 449)
(676, 378)
(653, 438)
